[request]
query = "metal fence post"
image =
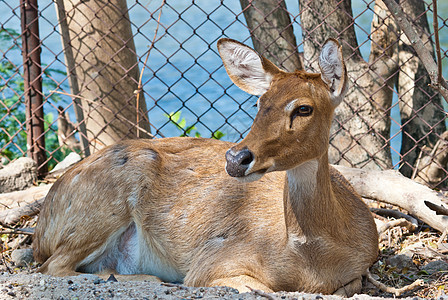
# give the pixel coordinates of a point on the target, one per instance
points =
(33, 84)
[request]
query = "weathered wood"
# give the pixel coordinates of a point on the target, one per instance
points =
(21, 198)
(66, 131)
(74, 84)
(12, 216)
(18, 175)
(393, 188)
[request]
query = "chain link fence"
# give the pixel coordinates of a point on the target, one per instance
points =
(77, 76)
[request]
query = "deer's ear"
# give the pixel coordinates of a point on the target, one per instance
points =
(333, 70)
(250, 71)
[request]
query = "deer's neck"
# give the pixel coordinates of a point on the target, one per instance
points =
(309, 200)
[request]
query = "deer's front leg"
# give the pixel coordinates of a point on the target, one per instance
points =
(242, 283)
(350, 288)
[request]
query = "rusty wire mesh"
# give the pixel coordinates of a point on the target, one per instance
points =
(184, 89)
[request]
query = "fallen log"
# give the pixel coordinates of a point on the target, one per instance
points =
(13, 216)
(393, 188)
(21, 198)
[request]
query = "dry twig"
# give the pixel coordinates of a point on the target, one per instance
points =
(5, 263)
(392, 290)
(394, 223)
(18, 231)
(439, 209)
(260, 293)
(139, 87)
(393, 213)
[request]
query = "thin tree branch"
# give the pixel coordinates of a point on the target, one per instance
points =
(435, 24)
(440, 210)
(394, 223)
(395, 214)
(392, 290)
(438, 82)
(139, 87)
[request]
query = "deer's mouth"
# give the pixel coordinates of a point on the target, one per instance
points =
(241, 164)
(250, 177)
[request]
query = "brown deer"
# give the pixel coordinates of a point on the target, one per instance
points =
(166, 207)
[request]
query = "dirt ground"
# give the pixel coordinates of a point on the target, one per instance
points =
(38, 286)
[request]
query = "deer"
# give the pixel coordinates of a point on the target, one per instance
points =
(268, 213)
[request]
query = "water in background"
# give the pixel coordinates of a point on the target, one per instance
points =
(184, 73)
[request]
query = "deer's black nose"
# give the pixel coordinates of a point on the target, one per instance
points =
(238, 162)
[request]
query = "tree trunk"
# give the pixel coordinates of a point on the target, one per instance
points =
(106, 69)
(421, 108)
(361, 128)
(272, 33)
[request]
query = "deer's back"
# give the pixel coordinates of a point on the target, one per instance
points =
(174, 189)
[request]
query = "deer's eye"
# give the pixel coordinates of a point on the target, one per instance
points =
(302, 111)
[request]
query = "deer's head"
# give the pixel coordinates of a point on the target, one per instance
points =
(295, 110)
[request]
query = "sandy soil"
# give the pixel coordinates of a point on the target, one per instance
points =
(88, 286)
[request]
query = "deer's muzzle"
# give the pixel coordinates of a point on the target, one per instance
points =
(238, 162)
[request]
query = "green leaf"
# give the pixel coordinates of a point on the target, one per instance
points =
(175, 116)
(182, 123)
(218, 135)
(189, 129)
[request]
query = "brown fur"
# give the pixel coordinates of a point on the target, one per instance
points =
(172, 197)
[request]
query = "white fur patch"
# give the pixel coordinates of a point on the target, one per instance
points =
(150, 263)
(291, 105)
(128, 252)
(302, 179)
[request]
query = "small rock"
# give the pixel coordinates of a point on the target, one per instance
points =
(112, 278)
(68, 161)
(18, 175)
(435, 266)
(22, 257)
(401, 262)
